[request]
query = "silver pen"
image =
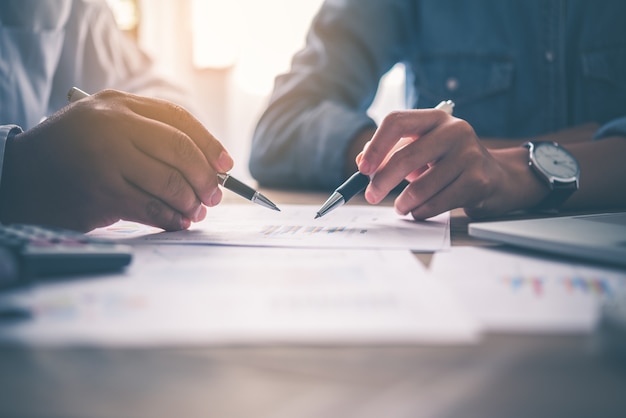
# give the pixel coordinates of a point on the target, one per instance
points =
(225, 179)
(358, 182)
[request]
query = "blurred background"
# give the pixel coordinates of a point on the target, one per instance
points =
(226, 53)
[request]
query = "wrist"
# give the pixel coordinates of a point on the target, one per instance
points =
(525, 189)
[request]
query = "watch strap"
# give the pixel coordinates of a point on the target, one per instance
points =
(559, 193)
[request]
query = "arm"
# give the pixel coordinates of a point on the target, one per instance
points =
(566, 136)
(96, 55)
(112, 156)
(316, 109)
(448, 167)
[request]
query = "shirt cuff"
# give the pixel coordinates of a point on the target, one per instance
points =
(6, 132)
(616, 127)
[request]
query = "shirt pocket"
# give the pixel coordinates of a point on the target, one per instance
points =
(479, 85)
(604, 73)
(462, 79)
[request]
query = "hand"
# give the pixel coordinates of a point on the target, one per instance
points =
(446, 167)
(113, 156)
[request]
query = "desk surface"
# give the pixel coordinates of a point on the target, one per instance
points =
(503, 376)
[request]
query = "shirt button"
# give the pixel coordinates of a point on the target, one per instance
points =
(549, 56)
(452, 84)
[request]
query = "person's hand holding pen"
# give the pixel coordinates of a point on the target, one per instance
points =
(446, 167)
(113, 156)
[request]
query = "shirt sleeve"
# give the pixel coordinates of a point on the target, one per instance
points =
(615, 127)
(6, 133)
(320, 105)
(97, 55)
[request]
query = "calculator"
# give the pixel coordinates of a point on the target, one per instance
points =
(41, 251)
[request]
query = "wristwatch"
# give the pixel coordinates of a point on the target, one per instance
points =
(557, 168)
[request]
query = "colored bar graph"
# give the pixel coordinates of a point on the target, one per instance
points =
(596, 286)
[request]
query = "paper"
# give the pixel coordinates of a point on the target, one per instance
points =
(352, 226)
(186, 295)
(512, 292)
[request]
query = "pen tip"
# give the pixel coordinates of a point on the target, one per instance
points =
(317, 215)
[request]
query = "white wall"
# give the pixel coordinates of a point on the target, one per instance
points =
(262, 36)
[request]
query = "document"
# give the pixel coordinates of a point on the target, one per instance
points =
(354, 226)
(510, 291)
(174, 295)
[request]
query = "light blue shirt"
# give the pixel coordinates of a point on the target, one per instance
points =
(48, 46)
(514, 68)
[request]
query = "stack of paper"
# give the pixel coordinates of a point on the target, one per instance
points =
(260, 277)
(223, 295)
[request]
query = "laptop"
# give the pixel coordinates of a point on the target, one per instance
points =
(598, 237)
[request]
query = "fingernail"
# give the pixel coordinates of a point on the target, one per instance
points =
(185, 222)
(370, 196)
(364, 167)
(196, 214)
(225, 162)
(216, 197)
(202, 213)
(400, 212)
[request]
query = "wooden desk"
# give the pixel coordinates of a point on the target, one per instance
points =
(503, 376)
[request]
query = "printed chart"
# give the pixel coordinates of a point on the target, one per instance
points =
(511, 292)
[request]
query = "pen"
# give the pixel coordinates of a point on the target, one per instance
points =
(358, 181)
(225, 179)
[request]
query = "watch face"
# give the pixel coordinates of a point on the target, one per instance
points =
(556, 161)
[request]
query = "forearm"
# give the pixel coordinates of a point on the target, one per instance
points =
(602, 165)
(603, 174)
(301, 144)
(602, 183)
(566, 136)
(304, 138)
(106, 58)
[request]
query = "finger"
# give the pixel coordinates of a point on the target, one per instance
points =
(447, 198)
(415, 174)
(176, 116)
(396, 125)
(163, 182)
(408, 160)
(175, 148)
(399, 145)
(431, 183)
(139, 206)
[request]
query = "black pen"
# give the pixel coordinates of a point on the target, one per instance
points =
(358, 181)
(245, 191)
(225, 179)
(355, 184)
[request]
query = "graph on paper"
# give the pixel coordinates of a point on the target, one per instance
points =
(355, 226)
(278, 230)
(568, 286)
(510, 291)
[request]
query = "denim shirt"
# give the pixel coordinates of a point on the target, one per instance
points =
(515, 69)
